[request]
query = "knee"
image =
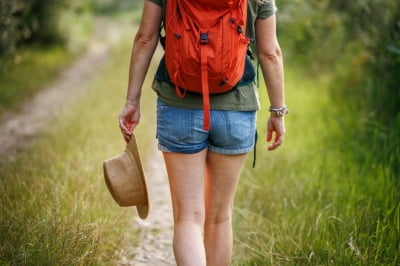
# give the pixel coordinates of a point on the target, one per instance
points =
(196, 217)
(217, 219)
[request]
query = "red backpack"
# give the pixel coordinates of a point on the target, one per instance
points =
(205, 46)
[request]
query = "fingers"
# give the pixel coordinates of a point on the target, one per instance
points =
(122, 125)
(277, 142)
(127, 137)
(277, 126)
(269, 135)
(126, 128)
(128, 120)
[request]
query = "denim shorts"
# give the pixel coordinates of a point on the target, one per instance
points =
(181, 130)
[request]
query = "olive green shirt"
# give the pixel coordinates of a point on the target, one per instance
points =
(243, 98)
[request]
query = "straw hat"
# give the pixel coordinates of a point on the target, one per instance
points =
(126, 181)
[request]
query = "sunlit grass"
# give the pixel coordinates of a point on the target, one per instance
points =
(311, 202)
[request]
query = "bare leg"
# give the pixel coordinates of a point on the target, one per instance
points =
(186, 177)
(222, 176)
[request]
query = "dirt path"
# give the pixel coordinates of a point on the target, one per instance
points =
(18, 130)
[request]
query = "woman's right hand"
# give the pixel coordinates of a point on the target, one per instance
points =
(276, 124)
(129, 119)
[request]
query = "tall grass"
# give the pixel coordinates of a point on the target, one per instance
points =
(54, 205)
(312, 202)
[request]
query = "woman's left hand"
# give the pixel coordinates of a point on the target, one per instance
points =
(129, 119)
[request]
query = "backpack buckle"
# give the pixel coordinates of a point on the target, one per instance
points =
(203, 37)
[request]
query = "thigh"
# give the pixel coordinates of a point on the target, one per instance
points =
(223, 173)
(186, 178)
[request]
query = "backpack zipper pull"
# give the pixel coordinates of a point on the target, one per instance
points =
(203, 37)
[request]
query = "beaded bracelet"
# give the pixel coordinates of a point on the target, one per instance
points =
(281, 111)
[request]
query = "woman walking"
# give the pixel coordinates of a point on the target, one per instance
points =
(204, 165)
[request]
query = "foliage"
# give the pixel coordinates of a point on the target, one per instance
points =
(40, 21)
(358, 44)
(376, 26)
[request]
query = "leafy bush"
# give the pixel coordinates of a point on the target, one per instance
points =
(40, 21)
(357, 43)
(8, 27)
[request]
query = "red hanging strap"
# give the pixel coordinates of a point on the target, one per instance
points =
(204, 79)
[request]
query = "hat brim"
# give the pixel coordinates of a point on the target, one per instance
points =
(132, 148)
(126, 181)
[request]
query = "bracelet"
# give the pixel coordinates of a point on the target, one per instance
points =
(281, 111)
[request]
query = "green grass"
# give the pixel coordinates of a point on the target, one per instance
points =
(54, 206)
(312, 202)
(29, 70)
